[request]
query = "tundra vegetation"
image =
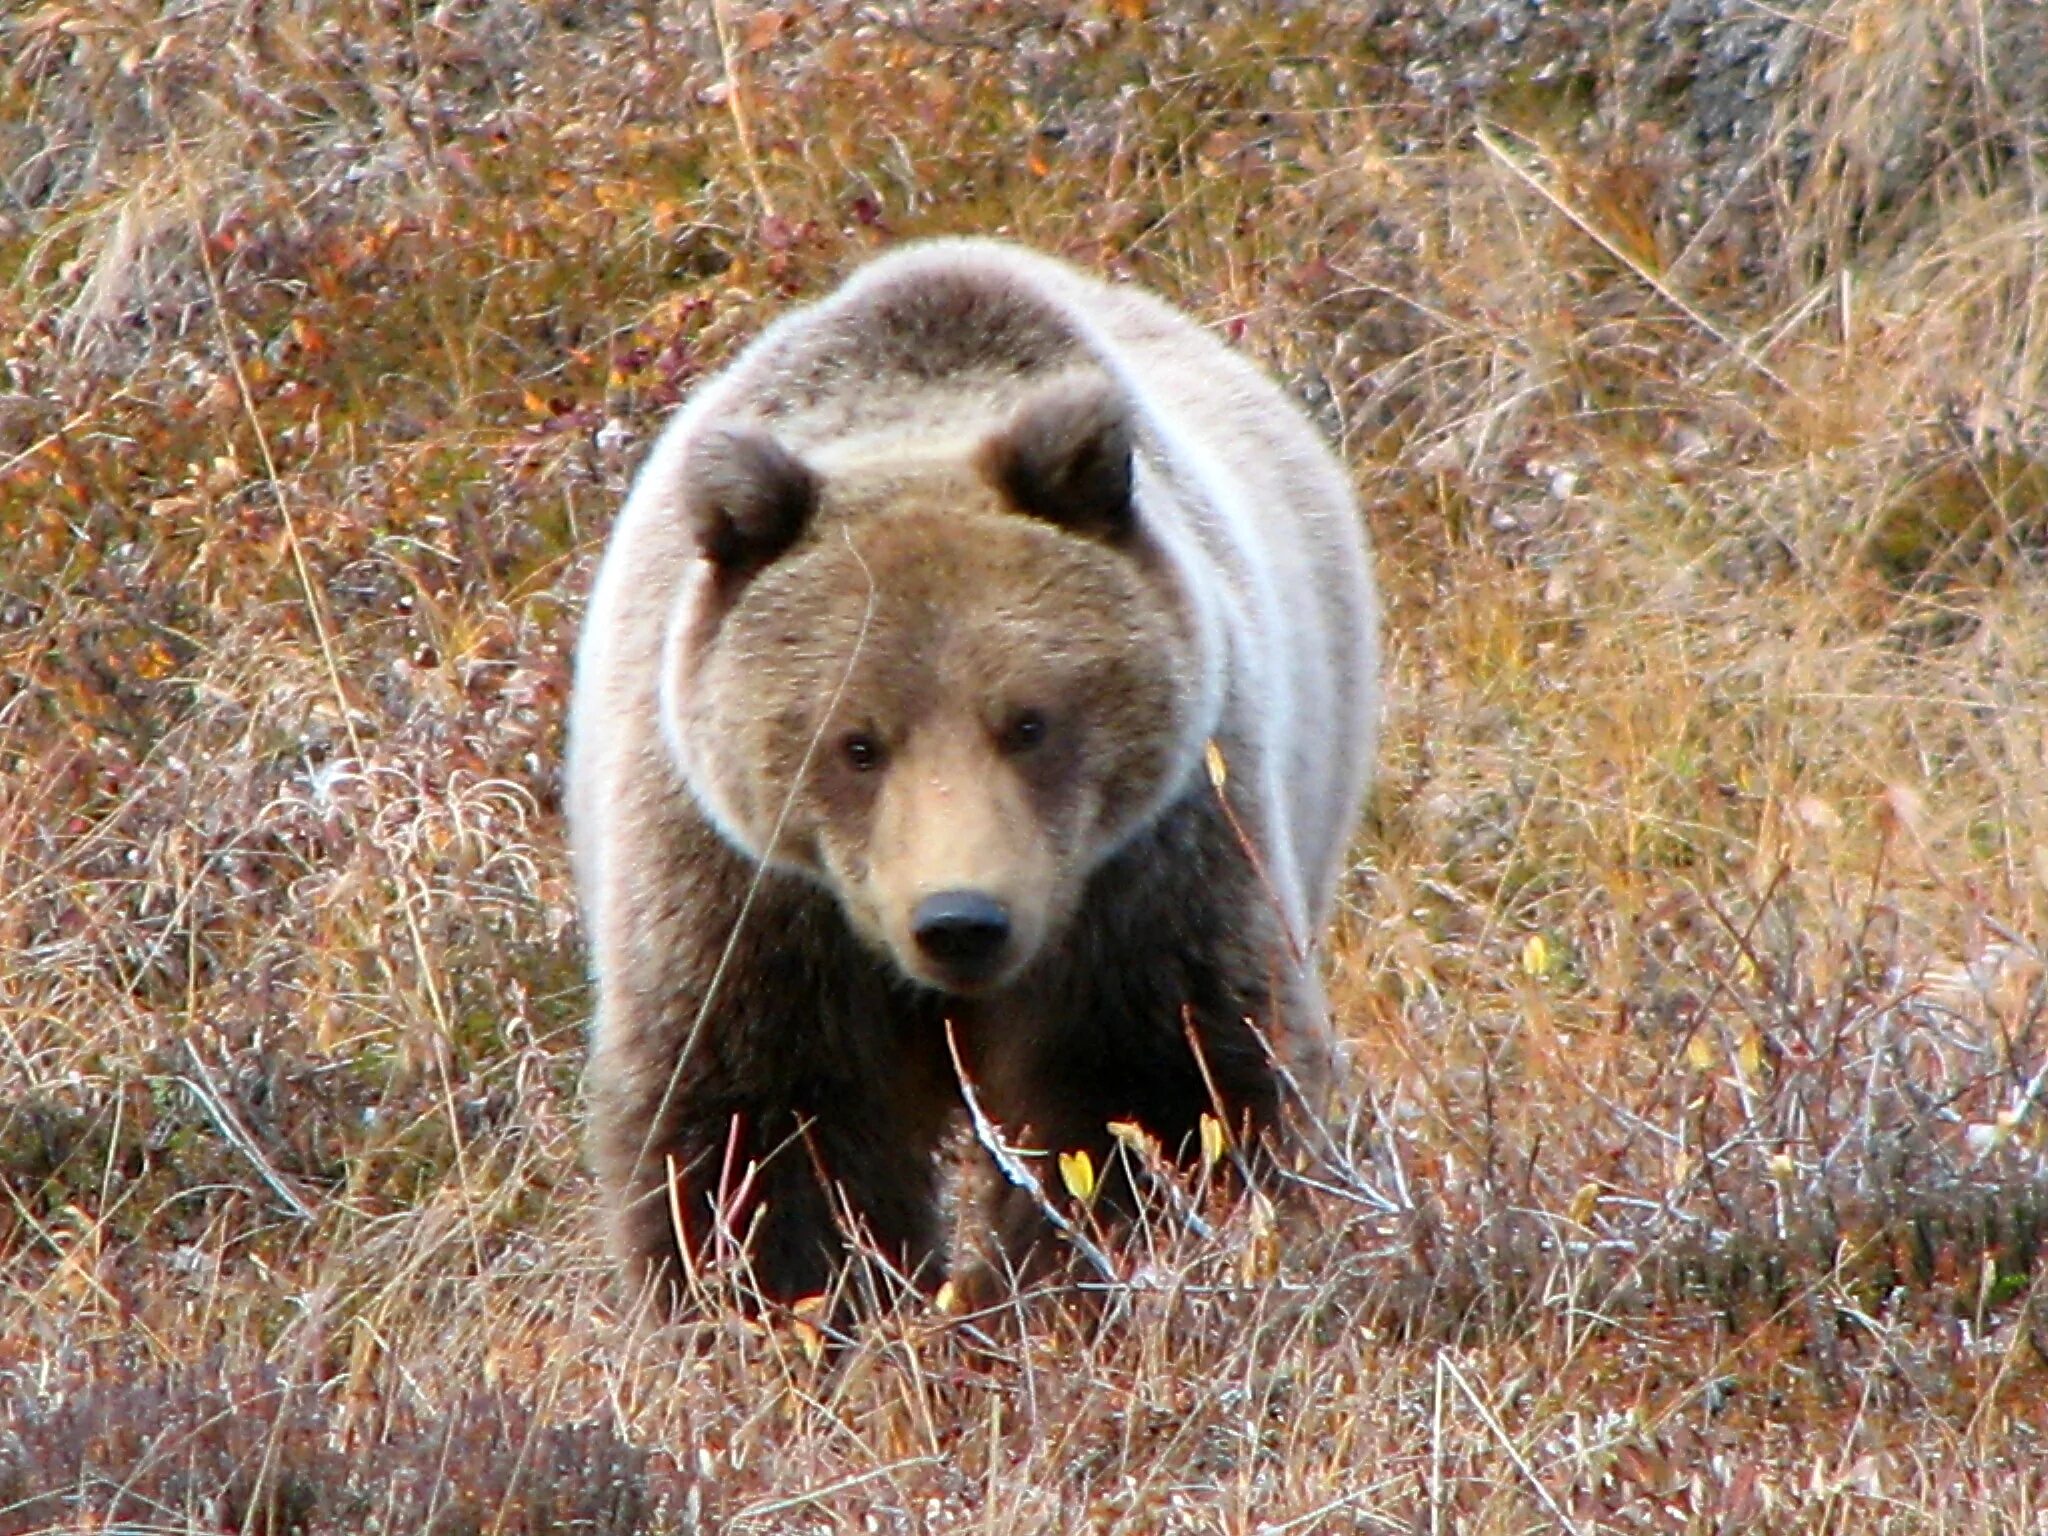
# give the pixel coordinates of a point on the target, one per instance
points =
(1691, 360)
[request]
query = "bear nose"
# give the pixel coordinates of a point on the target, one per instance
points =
(963, 932)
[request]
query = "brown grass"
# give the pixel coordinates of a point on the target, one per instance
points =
(1694, 1179)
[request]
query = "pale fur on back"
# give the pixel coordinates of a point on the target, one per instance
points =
(1235, 486)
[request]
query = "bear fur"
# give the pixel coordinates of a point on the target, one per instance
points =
(898, 704)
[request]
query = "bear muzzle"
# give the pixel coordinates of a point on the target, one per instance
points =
(962, 936)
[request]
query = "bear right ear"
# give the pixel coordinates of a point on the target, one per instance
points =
(1066, 457)
(747, 499)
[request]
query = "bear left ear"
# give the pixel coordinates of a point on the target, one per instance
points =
(1066, 457)
(747, 498)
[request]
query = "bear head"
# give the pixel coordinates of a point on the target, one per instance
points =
(945, 677)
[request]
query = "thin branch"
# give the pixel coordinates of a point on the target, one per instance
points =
(736, 100)
(216, 1107)
(1651, 280)
(1014, 1168)
(1449, 1367)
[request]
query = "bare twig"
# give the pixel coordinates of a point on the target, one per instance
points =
(1017, 1171)
(1449, 1367)
(1656, 284)
(209, 1096)
(820, 1495)
(736, 101)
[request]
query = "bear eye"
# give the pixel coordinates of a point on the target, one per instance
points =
(862, 752)
(1026, 729)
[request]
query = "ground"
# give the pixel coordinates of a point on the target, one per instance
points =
(1692, 368)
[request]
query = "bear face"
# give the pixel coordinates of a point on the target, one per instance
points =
(946, 688)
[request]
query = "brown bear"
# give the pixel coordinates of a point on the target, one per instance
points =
(899, 707)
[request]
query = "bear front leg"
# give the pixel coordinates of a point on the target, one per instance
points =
(763, 1176)
(768, 1196)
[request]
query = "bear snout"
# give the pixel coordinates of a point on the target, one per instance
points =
(963, 935)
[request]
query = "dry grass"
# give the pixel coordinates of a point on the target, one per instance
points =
(1695, 1179)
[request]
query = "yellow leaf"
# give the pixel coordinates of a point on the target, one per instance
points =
(1536, 956)
(1135, 1139)
(155, 660)
(1699, 1052)
(1077, 1172)
(1583, 1203)
(364, 1349)
(1261, 1257)
(1215, 1141)
(949, 1300)
(1212, 757)
(808, 1334)
(1750, 1052)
